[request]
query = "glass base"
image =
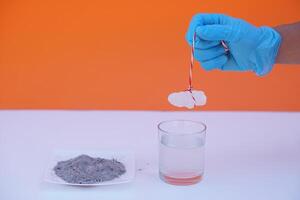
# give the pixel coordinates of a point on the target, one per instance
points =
(181, 179)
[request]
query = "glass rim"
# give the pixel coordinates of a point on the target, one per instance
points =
(182, 120)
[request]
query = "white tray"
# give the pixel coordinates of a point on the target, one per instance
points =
(126, 157)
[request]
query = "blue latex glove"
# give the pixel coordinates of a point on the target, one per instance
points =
(250, 48)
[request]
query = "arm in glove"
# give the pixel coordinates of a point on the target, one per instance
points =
(250, 48)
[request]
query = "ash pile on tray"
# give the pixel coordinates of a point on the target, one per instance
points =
(87, 170)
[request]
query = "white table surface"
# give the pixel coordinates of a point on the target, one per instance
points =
(249, 155)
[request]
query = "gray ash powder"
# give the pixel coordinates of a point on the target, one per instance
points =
(88, 170)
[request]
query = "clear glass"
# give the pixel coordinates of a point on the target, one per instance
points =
(181, 151)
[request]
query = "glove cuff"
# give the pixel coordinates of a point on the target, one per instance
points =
(266, 52)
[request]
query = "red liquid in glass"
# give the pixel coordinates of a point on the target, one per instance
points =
(181, 178)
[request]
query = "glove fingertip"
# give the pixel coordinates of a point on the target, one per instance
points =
(207, 33)
(216, 63)
(200, 31)
(208, 66)
(222, 61)
(188, 38)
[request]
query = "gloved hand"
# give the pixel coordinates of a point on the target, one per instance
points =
(250, 48)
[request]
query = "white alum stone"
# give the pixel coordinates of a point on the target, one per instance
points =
(185, 99)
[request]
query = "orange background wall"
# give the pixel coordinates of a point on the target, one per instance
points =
(128, 55)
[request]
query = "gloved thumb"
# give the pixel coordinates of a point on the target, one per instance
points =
(217, 32)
